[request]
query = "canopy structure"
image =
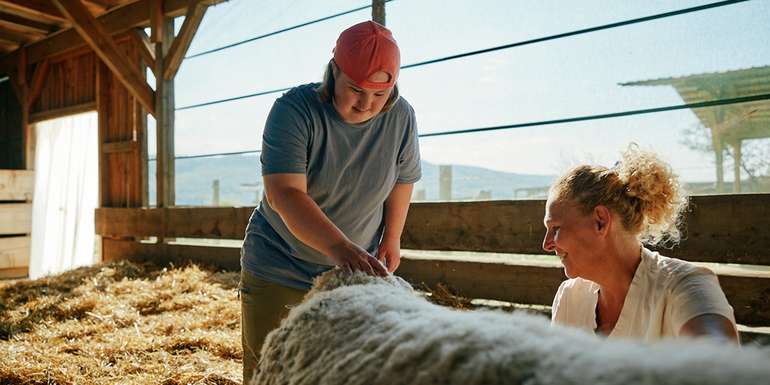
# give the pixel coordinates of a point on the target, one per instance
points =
(729, 124)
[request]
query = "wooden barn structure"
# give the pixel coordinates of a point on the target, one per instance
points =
(728, 125)
(60, 57)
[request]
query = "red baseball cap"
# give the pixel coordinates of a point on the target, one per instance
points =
(364, 49)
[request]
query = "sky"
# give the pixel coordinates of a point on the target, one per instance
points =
(568, 77)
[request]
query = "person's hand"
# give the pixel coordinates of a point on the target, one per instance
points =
(389, 253)
(352, 257)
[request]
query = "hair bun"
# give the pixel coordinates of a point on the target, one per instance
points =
(652, 182)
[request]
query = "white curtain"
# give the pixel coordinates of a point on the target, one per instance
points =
(66, 194)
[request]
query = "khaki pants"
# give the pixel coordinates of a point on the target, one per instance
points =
(263, 305)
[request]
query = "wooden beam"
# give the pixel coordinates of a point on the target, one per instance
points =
(38, 77)
(157, 24)
(38, 10)
(59, 112)
(16, 185)
(15, 218)
(164, 122)
(227, 258)
(145, 46)
(113, 147)
(17, 272)
(378, 11)
(14, 252)
(526, 284)
(105, 3)
(97, 37)
(20, 24)
(95, 7)
(119, 20)
(717, 229)
(537, 284)
(15, 37)
(8, 46)
(103, 106)
(175, 222)
(182, 41)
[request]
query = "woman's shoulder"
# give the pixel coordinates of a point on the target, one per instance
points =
(671, 270)
(402, 106)
(577, 286)
(305, 92)
(301, 100)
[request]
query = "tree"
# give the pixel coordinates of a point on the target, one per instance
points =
(755, 153)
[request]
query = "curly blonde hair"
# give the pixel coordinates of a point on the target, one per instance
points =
(641, 188)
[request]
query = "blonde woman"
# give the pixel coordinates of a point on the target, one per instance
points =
(598, 220)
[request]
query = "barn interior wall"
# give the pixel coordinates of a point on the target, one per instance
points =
(11, 132)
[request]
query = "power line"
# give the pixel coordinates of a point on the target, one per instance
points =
(232, 99)
(580, 31)
(280, 31)
(212, 155)
(708, 103)
(506, 46)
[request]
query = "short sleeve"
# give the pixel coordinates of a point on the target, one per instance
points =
(557, 311)
(697, 294)
(409, 169)
(286, 138)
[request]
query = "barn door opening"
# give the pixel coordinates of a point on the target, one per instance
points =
(66, 194)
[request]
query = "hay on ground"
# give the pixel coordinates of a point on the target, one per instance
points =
(124, 323)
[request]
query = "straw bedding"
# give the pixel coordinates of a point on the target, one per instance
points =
(122, 323)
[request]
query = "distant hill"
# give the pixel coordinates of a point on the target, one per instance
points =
(238, 176)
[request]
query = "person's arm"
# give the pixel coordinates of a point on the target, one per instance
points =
(710, 325)
(396, 207)
(287, 195)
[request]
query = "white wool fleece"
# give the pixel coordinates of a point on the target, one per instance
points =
(356, 329)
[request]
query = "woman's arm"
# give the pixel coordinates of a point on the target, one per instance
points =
(396, 207)
(710, 325)
(287, 195)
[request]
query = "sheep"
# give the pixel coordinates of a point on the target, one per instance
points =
(356, 329)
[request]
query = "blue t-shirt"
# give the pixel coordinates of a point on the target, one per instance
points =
(350, 169)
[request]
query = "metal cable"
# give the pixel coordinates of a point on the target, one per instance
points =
(704, 104)
(511, 45)
(279, 31)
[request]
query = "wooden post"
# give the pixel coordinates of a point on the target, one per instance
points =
(164, 118)
(215, 193)
(445, 183)
(102, 107)
(378, 11)
(737, 158)
(719, 158)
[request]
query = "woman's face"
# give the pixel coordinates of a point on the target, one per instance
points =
(355, 104)
(573, 236)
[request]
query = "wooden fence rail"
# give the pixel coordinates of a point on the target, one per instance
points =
(724, 229)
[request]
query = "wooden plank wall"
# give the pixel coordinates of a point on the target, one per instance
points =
(11, 129)
(16, 188)
(122, 137)
(77, 82)
(71, 81)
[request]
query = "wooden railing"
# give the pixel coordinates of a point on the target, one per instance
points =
(730, 229)
(15, 221)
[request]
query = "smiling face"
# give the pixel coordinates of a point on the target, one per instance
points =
(355, 104)
(575, 237)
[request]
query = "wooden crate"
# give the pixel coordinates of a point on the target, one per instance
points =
(16, 188)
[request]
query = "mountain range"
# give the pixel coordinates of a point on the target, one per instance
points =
(238, 178)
